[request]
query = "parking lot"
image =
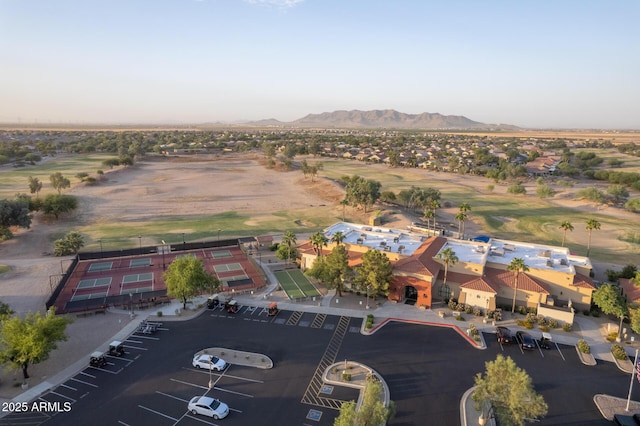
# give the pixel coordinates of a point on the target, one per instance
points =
(427, 370)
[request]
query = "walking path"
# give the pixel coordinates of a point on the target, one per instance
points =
(587, 328)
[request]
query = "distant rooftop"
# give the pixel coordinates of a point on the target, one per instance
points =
(377, 237)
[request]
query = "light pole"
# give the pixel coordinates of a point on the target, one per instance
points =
(367, 307)
(140, 243)
(634, 371)
(131, 303)
(164, 245)
(219, 234)
(210, 377)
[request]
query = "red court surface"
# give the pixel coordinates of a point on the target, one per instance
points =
(98, 283)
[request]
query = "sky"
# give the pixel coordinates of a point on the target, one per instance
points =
(529, 63)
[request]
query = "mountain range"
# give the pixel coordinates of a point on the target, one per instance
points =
(387, 118)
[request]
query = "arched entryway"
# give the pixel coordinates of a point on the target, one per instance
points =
(410, 295)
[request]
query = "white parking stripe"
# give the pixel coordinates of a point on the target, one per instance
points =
(87, 374)
(171, 396)
(84, 383)
(60, 395)
(158, 413)
(68, 387)
(189, 384)
(233, 392)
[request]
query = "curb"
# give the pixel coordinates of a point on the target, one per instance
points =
(385, 387)
(245, 359)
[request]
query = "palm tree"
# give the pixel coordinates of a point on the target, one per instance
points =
(289, 240)
(338, 237)
(318, 240)
(460, 217)
(434, 205)
(427, 215)
(448, 257)
(344, 203)
(464, 208)
(591, 225)
(517, 265)
(567, 226)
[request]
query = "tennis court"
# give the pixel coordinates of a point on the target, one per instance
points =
(225, 280)
(98, 295)
(296, 285)
(98, 282)
(136, 278)
(139, 263)
(228, 267)
(100, 266)
(221, 254)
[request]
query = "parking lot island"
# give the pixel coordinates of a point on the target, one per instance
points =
(246, 359)
(354, 375)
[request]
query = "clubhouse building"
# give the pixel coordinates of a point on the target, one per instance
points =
(555, 278)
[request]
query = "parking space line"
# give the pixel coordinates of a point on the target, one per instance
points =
(233, 409)
(172, 396)
(134, 341)
(189, 384)
(68, 387)
(60, 395)
(158, 413)
(106, 371)
(233, 392)
(558, 348)
(87, 374)
(147, 337)
(84, 383)
(201, 420)
(123, 423)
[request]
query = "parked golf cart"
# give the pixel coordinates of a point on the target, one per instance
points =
(545, 341)
(116, 348)
(273, 309)
(97, 359)
(231, 306)
(215, 300)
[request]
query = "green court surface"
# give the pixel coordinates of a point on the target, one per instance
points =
(136, 263)
(289, 285)
(134, 278)
(227, 267)
(98, 282)
(186, 254)
(88, 296)
(220, 254)
(101, 266)
(234, 278)
(303, 282)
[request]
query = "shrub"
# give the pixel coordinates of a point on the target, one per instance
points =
(619, 352)
(468, 309)
(460, 307)
(584, 347)
(526, 323)
(586, 312)
(346, 376)
(531, 317)
(473, 331)
(459, 318)
(542, 321)
(522, 310)
(567, 327)
(159, 313)
(543, 327)
(369, 322)
(453, 303)
(553, 323)
(477, 311)
(595, 313)
(611, 337)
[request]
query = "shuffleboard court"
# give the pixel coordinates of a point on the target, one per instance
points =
(138, 263)
(228, 267)
(98, 282)
(100, 266)
(221, 254)
(135, 278)
(303, 283)
(289, 285)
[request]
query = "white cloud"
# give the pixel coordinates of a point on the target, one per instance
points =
(283, 4)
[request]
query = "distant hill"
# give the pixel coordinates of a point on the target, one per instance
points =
(387, 118)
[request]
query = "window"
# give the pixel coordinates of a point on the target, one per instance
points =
(444, 291)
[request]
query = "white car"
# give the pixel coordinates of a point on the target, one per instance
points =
(209, 362)
(207, 406)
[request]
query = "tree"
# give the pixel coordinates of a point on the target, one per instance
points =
(338, 237)
(566, 226)
(516, 188)
(186, 277)
(59, 182)
(591, 225)
(56, 204)
(30, 340)
(517, 265)
(460, 217)
(318, 240)
(35, 185)
(332, 269)
(434, 205)
(287, 248)
(374, 273)
(361, 192)
(634, 315)
(609, 299)
(464, 208)
(13, 213)
(618, 192)
(506, 390)
(70, 244)
(448, 257)
(372, 410)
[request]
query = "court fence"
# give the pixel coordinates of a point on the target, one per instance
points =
(101, 303)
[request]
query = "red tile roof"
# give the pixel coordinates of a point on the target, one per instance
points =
(629, 289)
(479, 284)
(499, 277)
(421, 262)
(583, 281)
